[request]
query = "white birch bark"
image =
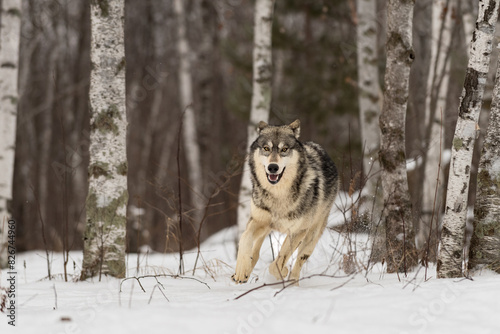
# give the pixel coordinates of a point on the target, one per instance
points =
(369, 89)
(104, 238)
(189, 135)
(485, 240)
(10, 32)
(450, 256)
(435, 106)
(397, 214)
(261, 95)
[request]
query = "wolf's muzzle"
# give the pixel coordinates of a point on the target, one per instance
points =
(273, 168)
(272, 175)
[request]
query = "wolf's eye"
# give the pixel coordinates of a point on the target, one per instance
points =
(284, 149)
(267, 149)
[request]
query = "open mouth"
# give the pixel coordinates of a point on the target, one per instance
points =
(275, 178)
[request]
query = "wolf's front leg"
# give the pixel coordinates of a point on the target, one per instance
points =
(248, 250)
(244, 259)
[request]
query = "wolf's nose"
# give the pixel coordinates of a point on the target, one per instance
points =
(273, 168)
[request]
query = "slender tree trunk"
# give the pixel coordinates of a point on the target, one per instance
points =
(261, 95)
(451, 257)
(400, 243)
(104, 238)
(26, 126)
(369, 90)
(46, 133)
(435, 106)
(208, 76)
(485, 240)
(143, 173)
(369, 98)
(9, 64)
(189, 134)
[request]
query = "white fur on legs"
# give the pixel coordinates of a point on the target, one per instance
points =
(279, 268)
(248, 250)
(244, 261)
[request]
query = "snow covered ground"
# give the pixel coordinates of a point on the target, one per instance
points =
(328, 302)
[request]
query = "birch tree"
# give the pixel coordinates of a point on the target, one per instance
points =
(451, 257)
(369, 90)
(261, 95)
(9, 63)
(397, 215)
(189, 136)
(104, 238)
(435, 104)
(485, 240)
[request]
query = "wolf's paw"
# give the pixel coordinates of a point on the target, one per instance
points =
(294, 280)
(238, 279)
(278, 274)
(242, 272)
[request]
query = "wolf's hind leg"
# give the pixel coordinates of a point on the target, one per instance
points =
(305, 250)
(278, 268)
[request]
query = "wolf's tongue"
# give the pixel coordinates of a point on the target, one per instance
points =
(273, 177)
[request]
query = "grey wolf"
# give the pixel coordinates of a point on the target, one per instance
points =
(294, 185)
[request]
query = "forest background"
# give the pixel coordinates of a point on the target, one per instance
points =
(315, 79)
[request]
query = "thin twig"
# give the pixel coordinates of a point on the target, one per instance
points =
(55, 296)
(287, 283)
(271, 243)
(294, 282)
(138, 279)
(65, 224)
(258, 288)
(181, 260)
(159, 288)
(206, 215)
(404, 245)
(131, 294)
(43, 232)
(436, 190)
(198, 234)
(133, 277)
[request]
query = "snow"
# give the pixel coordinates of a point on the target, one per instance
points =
(328, 301)
(414, 163)
(446, 158)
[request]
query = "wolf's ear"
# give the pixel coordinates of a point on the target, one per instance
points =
(262, 125)
(295, 126)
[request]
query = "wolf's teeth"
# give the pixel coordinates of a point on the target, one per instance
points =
(273, 177)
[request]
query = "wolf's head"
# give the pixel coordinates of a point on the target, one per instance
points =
(276, 149)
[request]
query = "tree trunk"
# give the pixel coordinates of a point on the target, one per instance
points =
(369, 90)
(261, 95)
(152, 124)
(451, 257)
(189, 134)
(369, 99)
(485, 240)
(400, 243)
(104, 238)
(9, 63)
(435, 106)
